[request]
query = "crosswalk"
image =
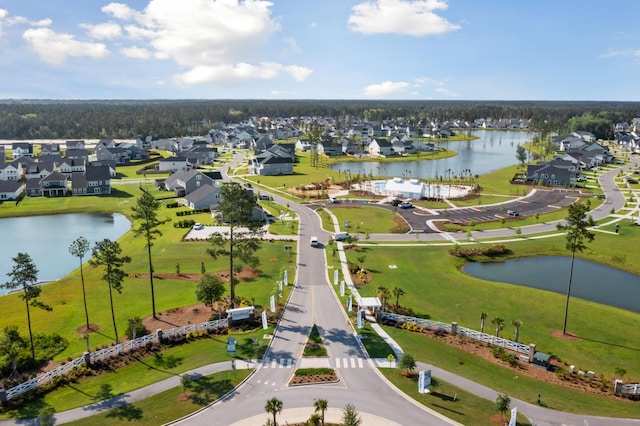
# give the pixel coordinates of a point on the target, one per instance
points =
(341, 363)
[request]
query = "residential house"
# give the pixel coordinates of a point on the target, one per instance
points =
(69, 165)
(556, 172)
(107, 163)
(185, 182)
(303, 145)
(40, 169)
(173, 164)
(380, 147)
(204, 197)
(165, 145)
(50, 149)
(11, 171)
(10, 189)
(79, 154)
(276, 160)
(95, 180)
(119, 155)
(71, 145)
(329, 147)
(21, 149)
(423, 146)
(51, 184)
(200, 155)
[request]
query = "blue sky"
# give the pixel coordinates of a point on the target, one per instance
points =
(320, 49)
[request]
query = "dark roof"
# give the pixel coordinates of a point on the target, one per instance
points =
(93, 173)
(214, 175)
(9, 185)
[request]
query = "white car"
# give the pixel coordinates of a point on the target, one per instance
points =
(198, 227)
(406, 205)
(314, 241)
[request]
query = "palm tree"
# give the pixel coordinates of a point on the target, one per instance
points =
(273, 407)
(499, 324)
(383, 294)
(79, 248)
(321, 405)
(483, 316)
(517, 324)
(503, 402)
(397, 292)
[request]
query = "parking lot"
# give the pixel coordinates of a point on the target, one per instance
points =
(539, 201)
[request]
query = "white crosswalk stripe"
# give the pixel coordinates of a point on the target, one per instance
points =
(348, 363)
(278, 363)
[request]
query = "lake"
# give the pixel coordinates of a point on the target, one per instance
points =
(493, 150)
(591, 281)
(47, 238)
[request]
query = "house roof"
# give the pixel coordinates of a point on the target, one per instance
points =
(9, 185)
(202, 192)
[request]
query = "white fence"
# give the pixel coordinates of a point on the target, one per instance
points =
(111, 351)
(463, 331)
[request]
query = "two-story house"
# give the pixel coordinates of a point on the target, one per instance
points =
(21, 149)
(95, 180)
(185, 182)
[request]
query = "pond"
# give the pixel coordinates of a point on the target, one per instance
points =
(591, 281)
(493, 150)
(47, 238)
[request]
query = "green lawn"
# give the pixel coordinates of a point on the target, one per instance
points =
(145, 371)
(436, 287)
(507, 380)
(450, 401)
(170, 405)
(366, 220)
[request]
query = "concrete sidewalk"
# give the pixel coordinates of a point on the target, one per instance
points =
(301, 415)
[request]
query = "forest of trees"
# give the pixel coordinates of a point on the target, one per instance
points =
(122, 119)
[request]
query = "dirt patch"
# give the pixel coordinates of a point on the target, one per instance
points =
(85, 330)
(368, 276)
(401, 226)
(245, 274)
(560, 335)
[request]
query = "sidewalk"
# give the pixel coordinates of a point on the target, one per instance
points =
(301, 415)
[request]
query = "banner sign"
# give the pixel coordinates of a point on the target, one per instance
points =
(514, 414)
(360, 319)
(280, 288)
(272, 303)
(335, 277)
(424, 381)
(286, 278)
(350, 303)
(342, 288)
(264, 320)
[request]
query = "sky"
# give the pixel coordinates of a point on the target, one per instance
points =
(582, 50)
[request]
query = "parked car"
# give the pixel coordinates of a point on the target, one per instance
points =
(314, 241)
(405, 205)
(513, 213)
(581, 179)
(333, 200)
(198, 227)
(265, 197)
(396, 202)
(341, 236)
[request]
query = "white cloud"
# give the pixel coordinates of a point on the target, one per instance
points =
(55, 48)
(3, 14)
(298, 73)
(120, 11)
(229, 73)
(292, 46)
(622, 53)
(136, 52)
(106, 31)
(387, 88)
(416, 18)
(213, 40)
(446, 92)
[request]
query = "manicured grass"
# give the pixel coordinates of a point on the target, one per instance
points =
(365, 220)
(436, 287)
(65, 295)
(314, 345)
(374, 344)
(449, 400)
(169, 405)
(507, 380)
(145, 371)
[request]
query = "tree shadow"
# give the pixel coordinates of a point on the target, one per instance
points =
(126, 412)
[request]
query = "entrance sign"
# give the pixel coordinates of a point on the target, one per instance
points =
(424, 381)
(514, 414)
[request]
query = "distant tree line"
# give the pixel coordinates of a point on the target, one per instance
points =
(130, 119)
